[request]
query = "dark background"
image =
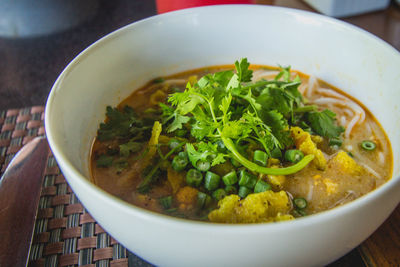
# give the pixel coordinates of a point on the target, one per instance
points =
(30, 66)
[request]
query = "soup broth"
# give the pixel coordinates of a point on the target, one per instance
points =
(344, 150)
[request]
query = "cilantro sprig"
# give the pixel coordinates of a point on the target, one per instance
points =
(227, 106)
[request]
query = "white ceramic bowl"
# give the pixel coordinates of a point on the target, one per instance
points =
(105, 73)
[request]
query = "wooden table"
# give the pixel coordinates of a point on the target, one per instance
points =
(29, 67)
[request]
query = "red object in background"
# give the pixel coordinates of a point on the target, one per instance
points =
(170, 5)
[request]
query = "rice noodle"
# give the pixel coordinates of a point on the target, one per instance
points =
(349, 147)
(348, 112)
(352, 105)
(381, 158)
(343, 120)
(291, 199)
(342, 200)
(368, 127)
(264, 74)
(302, 88)
(328, 100)
(175, 81)
(310, 191)
(312, 81)
(350, 125)
(330, 92)
(370, 170)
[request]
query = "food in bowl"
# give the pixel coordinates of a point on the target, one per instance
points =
(242, 144)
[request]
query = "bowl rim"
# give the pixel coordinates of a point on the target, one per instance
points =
(166, 220)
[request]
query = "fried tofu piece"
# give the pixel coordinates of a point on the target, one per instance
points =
(305, 144)
(266, 206)
(346, 164)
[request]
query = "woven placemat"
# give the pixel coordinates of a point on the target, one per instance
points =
(65, 234)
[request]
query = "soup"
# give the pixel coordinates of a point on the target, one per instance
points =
(240, 144)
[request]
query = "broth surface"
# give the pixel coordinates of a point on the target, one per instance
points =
(338, 183)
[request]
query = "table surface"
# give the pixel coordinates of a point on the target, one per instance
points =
(29, 67)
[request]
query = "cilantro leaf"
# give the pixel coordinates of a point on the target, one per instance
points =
(243, 72)
(130, 147)
(178, 121)
(205, 152)
(323, 123)
(121, 124)
(104, 161)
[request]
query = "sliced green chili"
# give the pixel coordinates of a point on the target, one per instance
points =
(194, 178)
(260, 157)
(300, 203)
(294, 155)
(230, 178)
(211, 181)
(368, 145)
(261, 186)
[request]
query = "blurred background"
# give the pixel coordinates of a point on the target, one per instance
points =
(39, 38)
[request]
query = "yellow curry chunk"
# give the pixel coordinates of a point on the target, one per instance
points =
(186, 196)
(331, 187)
(345, 163)
(306, 145)
(266, 206)
(175, 179)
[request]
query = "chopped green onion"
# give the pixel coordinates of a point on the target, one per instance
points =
(180, 132)
(235, 163)
(300, 203)
(260, 157)
(211, 181)
(221, 146)
(335, 142)
(276, 153)
(173, 143)
(230, 189)
(368, 145)
(294, 155)
(230, 178)
(244, 191)
(166, 202)
(194, 178)
(183, 154)
(350, 154)
(179, 163)
(246, 179)
(261, 186)
(203, 200)
(203, 165)
(219, 194)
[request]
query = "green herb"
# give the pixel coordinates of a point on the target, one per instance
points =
(166, 202)
(323, 123)
(104, 161)
(130, 147)
(226, 106)
(121, 124)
